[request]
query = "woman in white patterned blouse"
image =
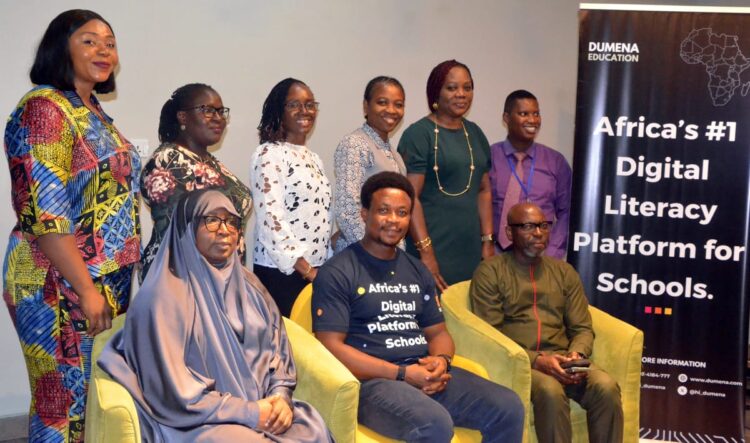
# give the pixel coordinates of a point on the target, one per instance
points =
(291, 195)
(365, 152)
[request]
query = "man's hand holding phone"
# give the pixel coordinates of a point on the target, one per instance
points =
(576, 365)
(551, 364)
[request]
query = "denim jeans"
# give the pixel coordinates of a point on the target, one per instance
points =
(398, 410)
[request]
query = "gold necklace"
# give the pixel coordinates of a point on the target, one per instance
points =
(471, 166)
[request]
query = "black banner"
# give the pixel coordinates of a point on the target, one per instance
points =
(660, 204)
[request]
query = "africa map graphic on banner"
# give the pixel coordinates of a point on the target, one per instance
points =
(723, 60)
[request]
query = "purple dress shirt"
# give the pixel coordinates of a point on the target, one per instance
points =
(550, 188)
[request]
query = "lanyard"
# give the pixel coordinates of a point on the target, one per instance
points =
(526, 188)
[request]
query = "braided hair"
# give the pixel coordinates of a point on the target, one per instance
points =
(437, 78)
(182, 97)
(270, 128)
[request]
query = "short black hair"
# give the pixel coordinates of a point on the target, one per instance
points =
(382, 180)
(182, 97)
(52, 63)
(518, 94)
(270, 128)
(378, 80)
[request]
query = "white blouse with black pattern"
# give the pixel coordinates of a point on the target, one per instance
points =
(292, 202)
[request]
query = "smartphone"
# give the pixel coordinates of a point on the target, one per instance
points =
(575, 369)
(581, 362)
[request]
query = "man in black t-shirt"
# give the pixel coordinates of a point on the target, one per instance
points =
(376, 309)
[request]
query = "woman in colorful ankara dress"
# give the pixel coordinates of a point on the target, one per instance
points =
(74, 184)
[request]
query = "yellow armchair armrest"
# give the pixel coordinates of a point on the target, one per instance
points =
(618, 349)
(325, 383)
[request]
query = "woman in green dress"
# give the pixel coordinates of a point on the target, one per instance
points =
(447, 160)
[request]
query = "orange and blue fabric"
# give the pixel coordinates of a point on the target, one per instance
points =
(72, 172)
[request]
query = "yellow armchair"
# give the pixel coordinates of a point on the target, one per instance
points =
(302, 315)
(617, 349)
(111, 416)
(322, 381)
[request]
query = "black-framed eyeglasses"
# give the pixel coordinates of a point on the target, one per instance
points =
(297, 106)
(529, 227)
(213, 223)
(209, 111)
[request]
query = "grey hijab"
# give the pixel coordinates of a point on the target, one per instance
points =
(201, 345)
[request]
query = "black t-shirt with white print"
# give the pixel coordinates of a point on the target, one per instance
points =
(382, 305)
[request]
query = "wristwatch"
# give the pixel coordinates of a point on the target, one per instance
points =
(401, 374)
(448, 361)
(487, 238)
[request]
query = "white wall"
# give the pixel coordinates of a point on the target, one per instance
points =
(243, 47)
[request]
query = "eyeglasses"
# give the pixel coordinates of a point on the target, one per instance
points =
(213, 223)
(297, 106)
(209, 111)
(529, 227)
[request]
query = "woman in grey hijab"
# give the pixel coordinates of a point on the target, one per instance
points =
(203, 351)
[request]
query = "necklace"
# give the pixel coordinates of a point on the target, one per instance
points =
(471, 166)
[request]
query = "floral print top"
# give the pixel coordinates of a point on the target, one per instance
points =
(292, 199)
(171, 172)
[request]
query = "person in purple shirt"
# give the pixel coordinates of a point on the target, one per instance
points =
(543, 176)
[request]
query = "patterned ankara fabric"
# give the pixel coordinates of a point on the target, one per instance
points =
(71, 173)
(172, 171)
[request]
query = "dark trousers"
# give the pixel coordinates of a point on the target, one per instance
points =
(283, 288)
(401, 411)
(599, 396)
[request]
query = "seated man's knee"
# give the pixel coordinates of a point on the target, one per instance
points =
(606, 389)
(510, 404)
(547, 389)
(438, 427)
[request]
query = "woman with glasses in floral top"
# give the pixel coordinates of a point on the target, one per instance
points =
(193, 119)
(291, 195)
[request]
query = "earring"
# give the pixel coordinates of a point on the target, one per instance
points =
(435, 106)
(182, 127)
